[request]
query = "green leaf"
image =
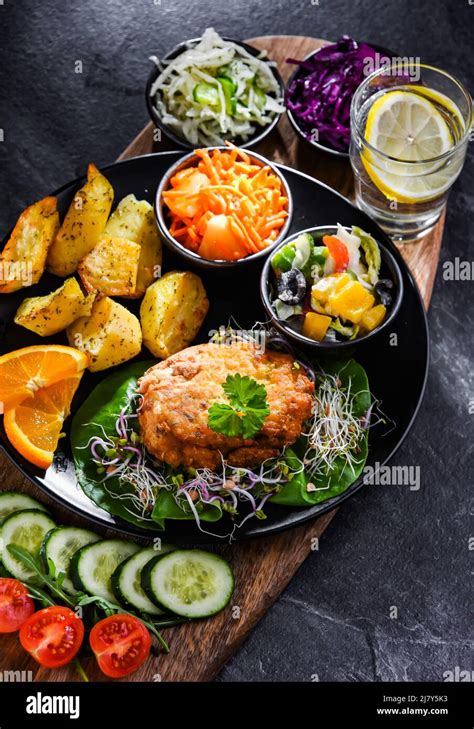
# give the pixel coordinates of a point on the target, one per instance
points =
(37, 594)
(99, 411)
(371, 252)
(224, 419)
(249, 408)
(244, 391)
(338, 480)
(167, 508)
(51, 568)
(253, 420)
(347, 331)
(22, 555)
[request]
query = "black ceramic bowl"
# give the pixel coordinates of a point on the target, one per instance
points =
(384, 53)
(258, 136)
(191, 160)
(389, 269)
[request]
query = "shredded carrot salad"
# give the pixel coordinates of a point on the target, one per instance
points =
(226, 207)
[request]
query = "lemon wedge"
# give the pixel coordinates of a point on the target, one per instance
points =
(407, 127)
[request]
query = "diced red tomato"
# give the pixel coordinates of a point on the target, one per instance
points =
(338, 252)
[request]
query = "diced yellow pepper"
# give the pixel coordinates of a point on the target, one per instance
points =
(350, 302)
(326, 286)
(316, 325)
(316, 306)
(373, 318)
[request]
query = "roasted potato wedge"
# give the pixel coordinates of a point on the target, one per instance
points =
(23, 259)
(172, 312)
(111, 267)
(84, 223)
(50, 314)
(135, 220)
(110, 335)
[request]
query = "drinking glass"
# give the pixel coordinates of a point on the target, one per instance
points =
(407, 196)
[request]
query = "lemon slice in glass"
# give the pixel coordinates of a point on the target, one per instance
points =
(407, 127)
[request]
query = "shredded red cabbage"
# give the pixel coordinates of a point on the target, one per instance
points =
(320, 95)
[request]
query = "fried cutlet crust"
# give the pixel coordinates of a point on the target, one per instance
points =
(178, 392)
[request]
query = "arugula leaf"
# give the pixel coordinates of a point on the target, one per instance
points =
(247, 410)
(22, 555)
(40, 577)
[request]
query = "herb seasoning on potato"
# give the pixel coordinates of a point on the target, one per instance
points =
(84, 223)
(172, 312)
(110, 335)
(23, 259)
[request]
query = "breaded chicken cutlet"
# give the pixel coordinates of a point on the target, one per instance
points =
(178, 392)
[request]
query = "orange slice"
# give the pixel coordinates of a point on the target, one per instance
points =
(24, 371)
(34, 427)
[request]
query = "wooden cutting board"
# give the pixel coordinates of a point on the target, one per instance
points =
(262, 567)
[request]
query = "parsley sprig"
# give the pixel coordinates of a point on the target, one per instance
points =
(247, 410)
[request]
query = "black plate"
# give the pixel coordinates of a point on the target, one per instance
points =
(396, 362)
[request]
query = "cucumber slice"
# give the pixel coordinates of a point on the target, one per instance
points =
(189, 582)
(92, 566)
(224, 78)
(25, 529)
(206, 94)
(12, 501)
(126, 581)
(229, 89)
(260, 97)
(304, 247)
(60, 544)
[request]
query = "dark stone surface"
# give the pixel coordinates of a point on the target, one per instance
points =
(388, 546)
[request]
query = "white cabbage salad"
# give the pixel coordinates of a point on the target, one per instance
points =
(215, 91)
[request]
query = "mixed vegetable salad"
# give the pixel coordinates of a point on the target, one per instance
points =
(115, 470)
(320, 94)
(216, 90)
(110, 590)
(226, 207)
(328, 287)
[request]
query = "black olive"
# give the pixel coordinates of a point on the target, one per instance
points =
(291, 286)
(383, 289)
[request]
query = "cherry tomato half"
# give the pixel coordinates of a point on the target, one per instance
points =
(338, 252)
(52, 636)
(16, 605)
(121, 643)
